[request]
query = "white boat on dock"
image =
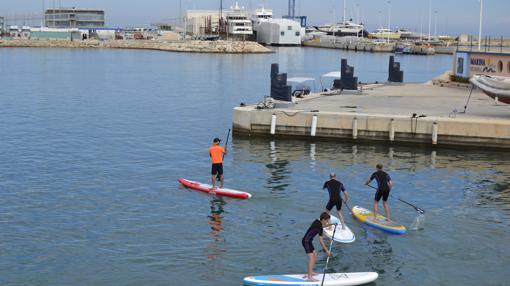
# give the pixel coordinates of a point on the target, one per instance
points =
(494, 86)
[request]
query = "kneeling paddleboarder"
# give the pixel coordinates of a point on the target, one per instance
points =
(315, 229)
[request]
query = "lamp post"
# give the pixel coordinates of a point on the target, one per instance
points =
(389, 20)
(480, 28)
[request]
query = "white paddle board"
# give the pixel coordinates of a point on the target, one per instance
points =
(341, 235)
(330, 279)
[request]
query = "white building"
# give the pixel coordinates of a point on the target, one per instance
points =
(280, 32)
(202, 22)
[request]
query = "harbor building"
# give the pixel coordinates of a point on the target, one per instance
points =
(280, 32)
(206, 22)
(74, 18)
(44, 33)
(202, 22)
(469, 63)
(1, 25)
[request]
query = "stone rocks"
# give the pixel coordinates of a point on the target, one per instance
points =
(230, 47)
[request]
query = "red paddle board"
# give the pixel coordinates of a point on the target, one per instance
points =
(206, 188)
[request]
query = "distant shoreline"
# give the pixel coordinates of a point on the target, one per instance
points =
(218, 47)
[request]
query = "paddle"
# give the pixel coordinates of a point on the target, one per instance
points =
(226, 143)
(327, 259)
(419, 210)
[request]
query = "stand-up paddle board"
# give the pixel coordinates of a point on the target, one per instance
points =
(341, 235)
(218, 191)
(331, 279)
(379, 222)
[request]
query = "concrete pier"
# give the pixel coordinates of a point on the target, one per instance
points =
(409, 113)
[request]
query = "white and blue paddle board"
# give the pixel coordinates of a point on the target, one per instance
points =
(330, 279)
(341, 235)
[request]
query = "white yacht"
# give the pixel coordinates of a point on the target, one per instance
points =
(383, 33)
(259, 16)
(342, 29)
(238, 21)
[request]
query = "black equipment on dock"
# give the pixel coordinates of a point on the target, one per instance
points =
(394, 72)
(347, 80)
(279, 88)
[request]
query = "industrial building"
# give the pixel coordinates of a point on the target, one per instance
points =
(43, 33)
(74, 18)
(280, 32)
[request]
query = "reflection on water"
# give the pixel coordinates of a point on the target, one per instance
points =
(278, 170)
(215, 218)
(216, 248)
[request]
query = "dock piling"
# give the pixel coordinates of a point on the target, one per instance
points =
(314, 125)
(434, 133)
(392, 130)
(273, 124)
(355, 128)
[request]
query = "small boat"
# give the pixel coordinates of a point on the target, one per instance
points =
(493, 86)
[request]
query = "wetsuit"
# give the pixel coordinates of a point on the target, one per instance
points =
(313, 230)
(383, 187)
(334, 188)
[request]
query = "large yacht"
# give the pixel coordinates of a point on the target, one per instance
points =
(238, 21)
(383, 33)
(259, 16)
(342, 29)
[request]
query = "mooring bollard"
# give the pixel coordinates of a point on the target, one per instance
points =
(314, 125)
(355, 128)
(392, 130)
(434, 133)
(273, 124)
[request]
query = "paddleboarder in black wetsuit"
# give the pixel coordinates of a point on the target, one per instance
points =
(334, 188)
(315, 229)
(384, 186)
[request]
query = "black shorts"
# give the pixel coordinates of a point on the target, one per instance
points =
(217, 169)
(384, 194)
(308, 245)
(338, 205)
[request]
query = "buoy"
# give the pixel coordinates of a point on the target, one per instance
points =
(273, 124)
(314, 125)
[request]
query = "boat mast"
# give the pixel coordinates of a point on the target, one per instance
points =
(345, 8)
(430, 16)
(389, 20)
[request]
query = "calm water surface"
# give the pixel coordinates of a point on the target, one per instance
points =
(93, 141)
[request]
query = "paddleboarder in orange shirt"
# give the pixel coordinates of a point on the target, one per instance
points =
(216, 152)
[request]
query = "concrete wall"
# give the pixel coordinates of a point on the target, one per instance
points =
(374, 127)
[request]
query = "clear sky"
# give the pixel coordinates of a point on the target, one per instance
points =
(453, 16)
